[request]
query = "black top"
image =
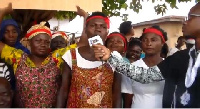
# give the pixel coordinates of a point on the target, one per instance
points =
(174, 70)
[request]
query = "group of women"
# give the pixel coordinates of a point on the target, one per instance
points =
(52, 74)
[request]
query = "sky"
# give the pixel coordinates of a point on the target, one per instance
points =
(146, 13)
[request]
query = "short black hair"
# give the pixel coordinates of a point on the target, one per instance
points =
(96, 14)
(125, 27)
(121, 35)
(180, 37)
(134, 42)
(159, 29)
(143, 29)
(165, 49)
(47, 24)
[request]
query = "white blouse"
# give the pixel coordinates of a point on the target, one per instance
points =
(81, 62)
(147, 95)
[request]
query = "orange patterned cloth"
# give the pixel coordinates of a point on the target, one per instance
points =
(37, 87)
(90, 88)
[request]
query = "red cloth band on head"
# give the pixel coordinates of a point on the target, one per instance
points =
(152, 30)
(106, 19)
(123, 38)
(39, 30)
(60, 33)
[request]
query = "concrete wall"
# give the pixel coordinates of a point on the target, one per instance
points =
(173, 29)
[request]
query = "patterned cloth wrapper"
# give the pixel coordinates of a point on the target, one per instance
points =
(134, 72)
(90, 88)
(36, 87)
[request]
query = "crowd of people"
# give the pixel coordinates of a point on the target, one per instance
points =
(48, 72)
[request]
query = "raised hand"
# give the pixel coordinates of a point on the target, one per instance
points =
(7, 10)
(101, 52)
(81, 12)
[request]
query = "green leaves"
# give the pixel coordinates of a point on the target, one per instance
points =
(61, 15)
(160, 9)
(124, 17)
(173, 3)
(113, 7)
(135, 5)
(125, 6)
(197, 0)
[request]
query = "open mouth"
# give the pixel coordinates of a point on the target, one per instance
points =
(114, 48)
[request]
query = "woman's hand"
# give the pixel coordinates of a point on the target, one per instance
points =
(6, 10)
(81, 12)
(101, 52)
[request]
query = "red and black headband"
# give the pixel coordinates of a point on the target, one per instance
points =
(122, 37)
(37, 29)
(153, 30)
(106, 19)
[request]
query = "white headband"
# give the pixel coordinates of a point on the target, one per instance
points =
(190, 41)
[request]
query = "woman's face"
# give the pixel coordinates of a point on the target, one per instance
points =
(115, 43)
(40, 45)
(97, 27)
(10, 35)
(5, 94)
(58, 42)
(134, 52)
(151, 44)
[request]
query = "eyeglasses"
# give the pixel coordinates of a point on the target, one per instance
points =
(190, 15)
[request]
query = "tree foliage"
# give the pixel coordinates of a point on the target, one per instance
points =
(109, 7)
(61, 15)
(112, 7)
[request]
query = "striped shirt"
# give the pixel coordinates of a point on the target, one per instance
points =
(4, 71)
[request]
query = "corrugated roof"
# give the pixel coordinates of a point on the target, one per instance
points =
(161, 20)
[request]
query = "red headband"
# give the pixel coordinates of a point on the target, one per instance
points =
(106, 19)
(152, 30)
(60, 32)
(123, 38)
(38, 30)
